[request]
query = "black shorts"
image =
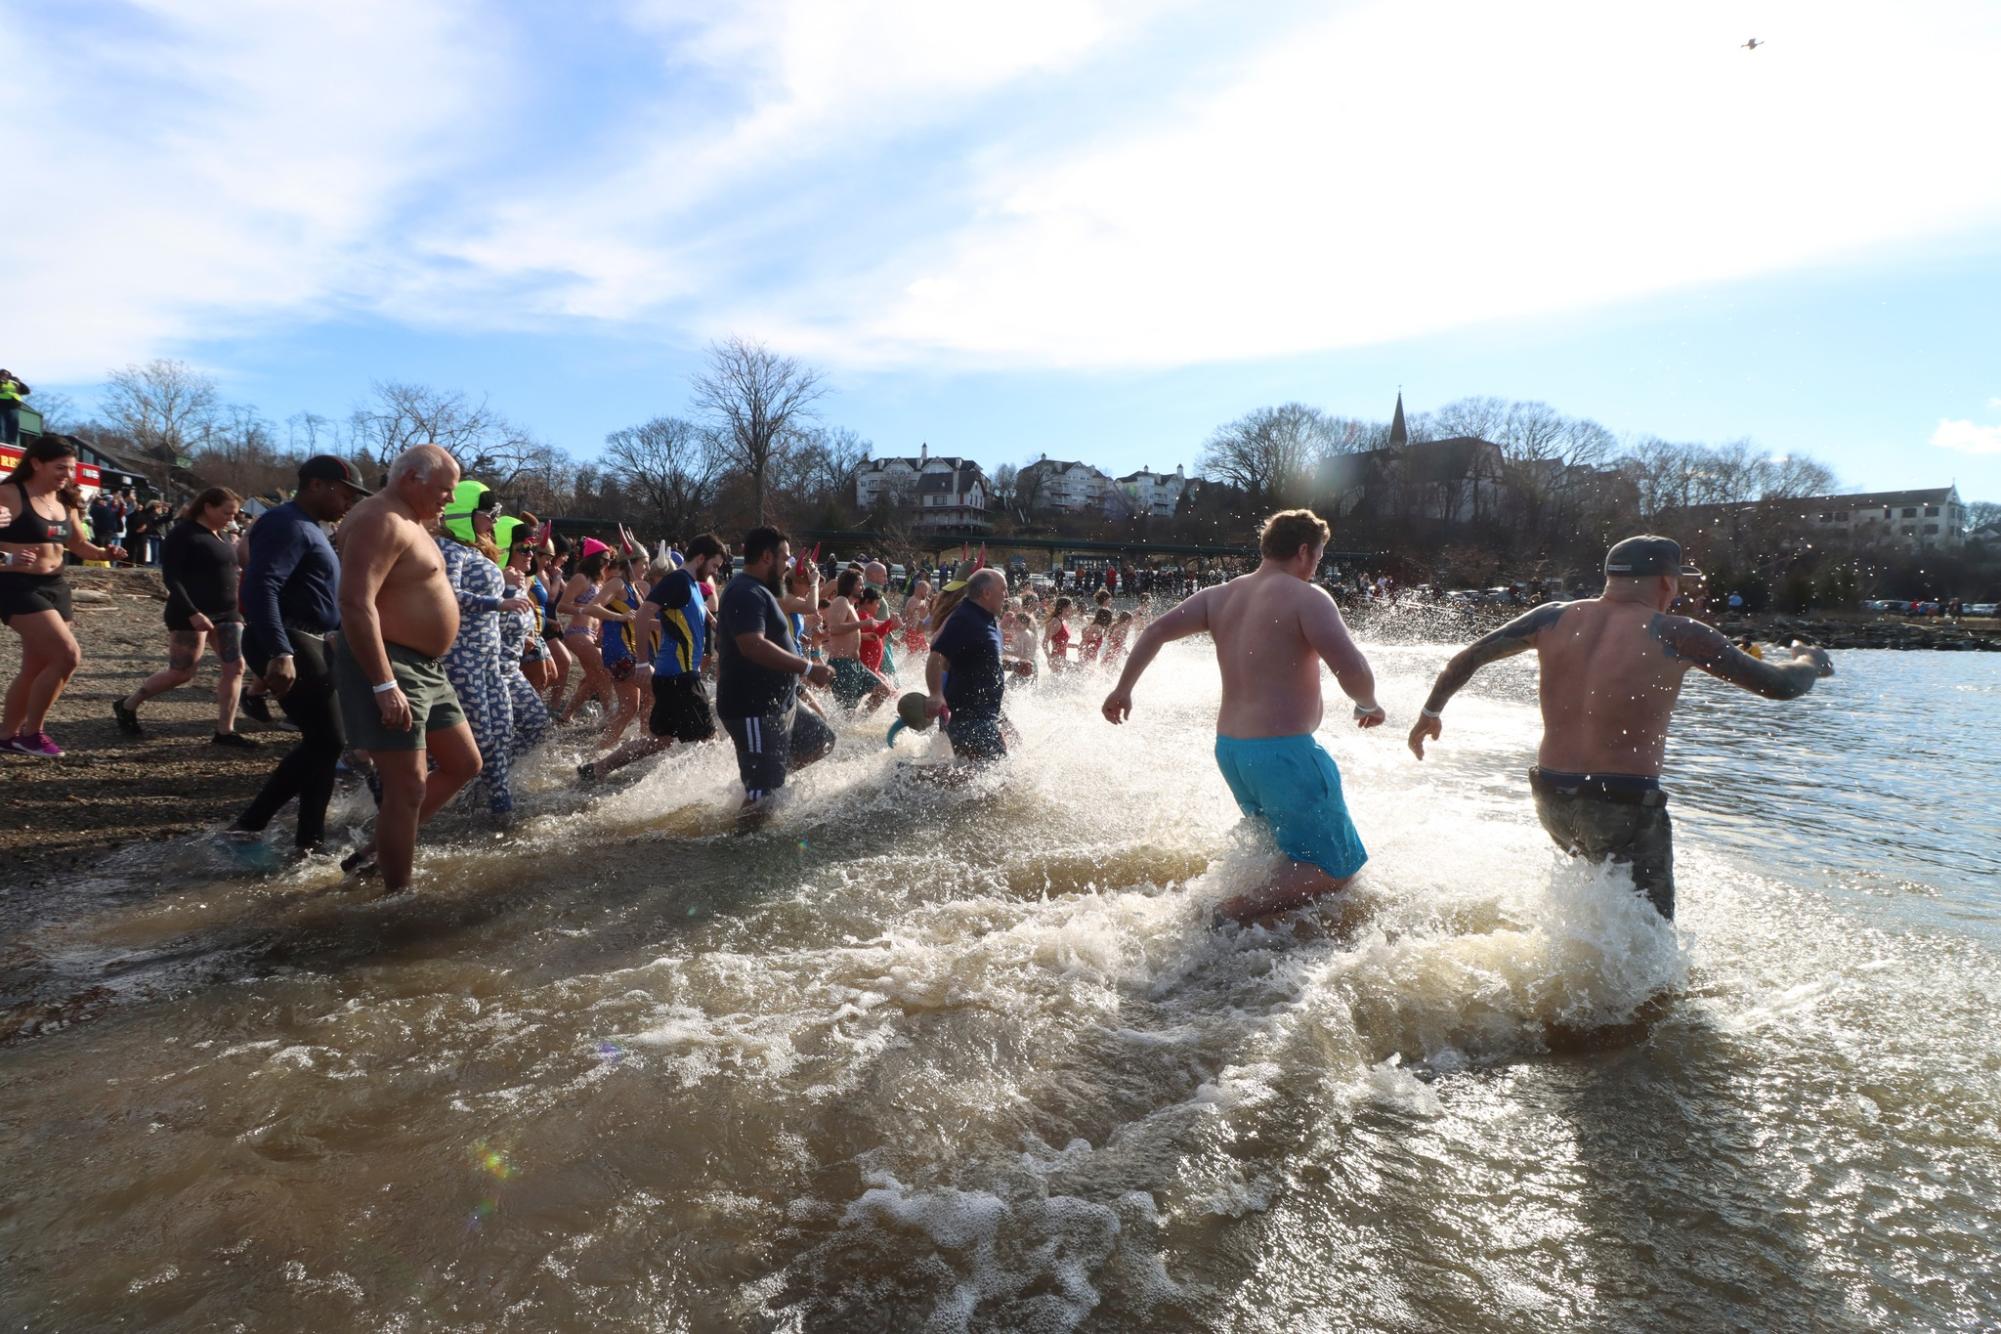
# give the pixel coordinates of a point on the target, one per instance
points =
(978, 737)
(24, 594)
(1617, 819)
(769, 748)
(681, 708)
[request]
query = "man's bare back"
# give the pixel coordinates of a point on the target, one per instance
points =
(1611, 672)
(1272, 631)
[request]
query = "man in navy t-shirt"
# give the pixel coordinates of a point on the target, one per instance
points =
(758, 669)
(967, 670)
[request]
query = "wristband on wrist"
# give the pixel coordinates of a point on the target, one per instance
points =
(386, 686)
(1432, 713)
(1370, 707)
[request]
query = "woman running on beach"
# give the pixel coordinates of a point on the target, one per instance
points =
(547, 589)
(199, 566)
(44, 517)
(917, 621)
(584, 617)
(1094, 636)
(523, 638)
(1056, 636)
(623, 659)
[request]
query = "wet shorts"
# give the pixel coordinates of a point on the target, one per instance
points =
(434, 705)
(1618, 818)
(1291, 784)
(852, 681)
(681, 708)
(769, 748)
(535, 648)
(977, 737)
(23, 594)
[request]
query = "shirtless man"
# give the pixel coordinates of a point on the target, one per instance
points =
(853, 681)
(398, 616)
(1273, 628)
(1612, 668)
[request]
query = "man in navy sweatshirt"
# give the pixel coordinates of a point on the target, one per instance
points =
(291, 602)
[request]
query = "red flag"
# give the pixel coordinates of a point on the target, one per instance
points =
(981, 563)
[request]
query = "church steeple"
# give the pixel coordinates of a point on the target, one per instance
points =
(1399, 433)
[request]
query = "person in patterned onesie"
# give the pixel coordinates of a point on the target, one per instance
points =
(480, 669)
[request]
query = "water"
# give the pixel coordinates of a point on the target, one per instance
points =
(931, 1058)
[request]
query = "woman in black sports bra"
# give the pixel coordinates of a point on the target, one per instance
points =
(34, 596)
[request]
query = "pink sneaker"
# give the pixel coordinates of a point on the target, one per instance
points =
(36, 743)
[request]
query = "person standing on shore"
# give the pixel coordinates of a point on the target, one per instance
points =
(198, 566)
(43, 517)
(291, 603)
(398, 618)
(758, 672)
(12, 391)
(1611, 671)
(1273, 628)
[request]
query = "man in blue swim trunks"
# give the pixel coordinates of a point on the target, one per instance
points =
(1273, 628)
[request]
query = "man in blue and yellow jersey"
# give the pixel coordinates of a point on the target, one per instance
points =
(676, 612)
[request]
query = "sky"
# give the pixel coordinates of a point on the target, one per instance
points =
(1089, 229)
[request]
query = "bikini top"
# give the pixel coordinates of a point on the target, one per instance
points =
(28, 528)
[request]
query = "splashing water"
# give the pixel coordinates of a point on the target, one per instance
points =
(920, 1055)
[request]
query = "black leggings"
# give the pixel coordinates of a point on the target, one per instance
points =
(307, 771)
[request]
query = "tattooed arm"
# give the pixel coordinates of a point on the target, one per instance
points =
(1517, 636)
(1706, 647)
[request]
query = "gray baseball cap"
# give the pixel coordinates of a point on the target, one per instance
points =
(1638, 557)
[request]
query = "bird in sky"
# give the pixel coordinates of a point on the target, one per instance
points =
(1753, 44)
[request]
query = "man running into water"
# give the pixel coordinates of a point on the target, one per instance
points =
(1612, 668)
(758, 669)
(398, 615)
(1273, 628)
(676, 611)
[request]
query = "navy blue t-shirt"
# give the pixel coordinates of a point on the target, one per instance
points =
(292, 579)
(684, 624)
(744, 689)
(970, 641)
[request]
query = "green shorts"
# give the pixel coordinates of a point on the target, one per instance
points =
(852, 681)
(434, 705)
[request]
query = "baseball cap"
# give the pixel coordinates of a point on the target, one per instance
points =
(1638, 557)
(330, 468)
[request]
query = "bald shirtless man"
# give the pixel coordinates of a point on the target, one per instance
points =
(398, 616)
(1612, 668)
(1273, 628)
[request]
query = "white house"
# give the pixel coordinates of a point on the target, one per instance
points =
(1054, 486)
(942, 491)
(1156, 493)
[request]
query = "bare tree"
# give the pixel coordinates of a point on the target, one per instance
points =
(667, 467)
(756, 400)
(1480, 417)
(1002, 485)
(486, 444)
(310, 433)
(824, 463)
(59, 414)
(1267, 452)
(163, 406)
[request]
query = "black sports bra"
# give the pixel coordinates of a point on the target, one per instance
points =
(28, 528)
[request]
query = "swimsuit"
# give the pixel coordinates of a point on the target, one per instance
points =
(1291, 784)
(23, 593)
(589, 628)
(1621, 818)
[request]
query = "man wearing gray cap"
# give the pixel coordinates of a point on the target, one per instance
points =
(1612, 668)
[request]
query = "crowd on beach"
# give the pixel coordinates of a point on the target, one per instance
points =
(425, 639)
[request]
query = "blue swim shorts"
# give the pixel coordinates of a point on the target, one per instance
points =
(1291, 784)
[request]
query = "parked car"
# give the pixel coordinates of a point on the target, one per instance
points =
(1982, 609)
(1882, 605)
(1926, 608)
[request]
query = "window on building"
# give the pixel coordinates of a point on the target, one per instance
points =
(1841, 516)
(1910, 529)
(1910, 511)
(1931, 511)
(1931, 527)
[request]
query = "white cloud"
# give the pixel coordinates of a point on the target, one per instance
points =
(1966, 437)
(1400, 170)
(213, 163)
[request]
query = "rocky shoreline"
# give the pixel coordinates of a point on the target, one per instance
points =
(1411, 622)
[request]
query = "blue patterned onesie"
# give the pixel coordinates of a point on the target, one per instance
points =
(482, 673)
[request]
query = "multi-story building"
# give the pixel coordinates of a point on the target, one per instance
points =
(1923, 520)
(1058, 487)
(941, 491)
(1155, 493)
